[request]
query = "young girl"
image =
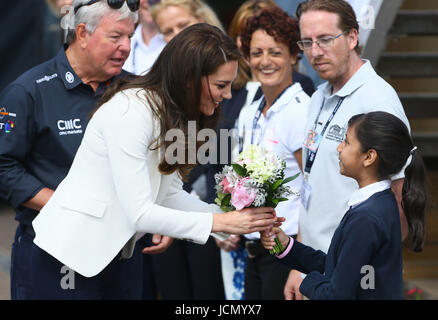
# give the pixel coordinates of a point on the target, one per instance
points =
(364, 260)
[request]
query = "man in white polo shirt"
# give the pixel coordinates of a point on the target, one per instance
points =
(329, 39)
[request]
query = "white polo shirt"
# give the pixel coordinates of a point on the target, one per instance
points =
(282, 130)
(143, 56)
(364, 92)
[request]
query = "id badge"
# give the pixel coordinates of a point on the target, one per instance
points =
(312, 141)
(305, 192)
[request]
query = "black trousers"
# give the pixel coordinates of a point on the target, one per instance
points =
(189, 271)
(37, 275)
(265, 277)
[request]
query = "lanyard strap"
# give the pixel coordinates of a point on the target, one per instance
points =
(312, 154)
(260, 110)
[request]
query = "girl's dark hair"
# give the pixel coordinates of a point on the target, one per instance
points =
(390, 137)
(174, 84)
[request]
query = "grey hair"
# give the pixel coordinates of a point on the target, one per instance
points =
(91, 16)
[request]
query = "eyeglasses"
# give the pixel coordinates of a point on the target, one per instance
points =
(323, 43)
(133, 5)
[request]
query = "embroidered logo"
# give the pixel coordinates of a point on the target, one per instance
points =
(4, 113)
(69, 77)
(67, 127)
(336, 133)
(47, 78)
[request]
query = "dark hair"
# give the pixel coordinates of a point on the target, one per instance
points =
(278, 24)
(347, 17)
(390, 137)
(174, 86)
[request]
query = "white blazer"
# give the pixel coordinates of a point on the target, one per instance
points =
(114, 189)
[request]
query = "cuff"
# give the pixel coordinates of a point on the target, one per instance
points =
(288, 248)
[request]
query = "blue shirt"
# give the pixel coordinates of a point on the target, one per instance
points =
(364, 260)
(43, 117)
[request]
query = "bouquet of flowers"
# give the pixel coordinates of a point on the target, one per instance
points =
(256, 180)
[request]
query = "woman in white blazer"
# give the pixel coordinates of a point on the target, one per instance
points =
(122, 183)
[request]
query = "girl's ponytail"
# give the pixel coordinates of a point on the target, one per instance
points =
(414, 201)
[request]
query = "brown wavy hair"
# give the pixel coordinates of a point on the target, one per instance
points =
(173, 84)
(278, 24)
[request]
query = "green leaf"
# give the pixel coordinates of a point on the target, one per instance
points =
(277, 184)
(241, 171)
(291, 178)
(226, 200)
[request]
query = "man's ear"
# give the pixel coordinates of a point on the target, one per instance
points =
(370, 158)
(353, 37)
(81, 35)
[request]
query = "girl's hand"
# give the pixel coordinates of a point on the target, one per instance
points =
(267, 238)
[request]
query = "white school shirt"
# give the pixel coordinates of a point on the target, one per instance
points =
(282, 130)
(143, 56)
(364, 92)
(366, 192)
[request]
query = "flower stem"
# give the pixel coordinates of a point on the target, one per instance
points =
(278, 248)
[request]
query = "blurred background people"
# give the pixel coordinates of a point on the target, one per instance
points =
(147, 42)
(172, 16)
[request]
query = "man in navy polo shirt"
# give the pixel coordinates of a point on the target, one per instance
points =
(43, 117)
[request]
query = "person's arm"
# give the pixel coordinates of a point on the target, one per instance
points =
(299, 157)
(292, 287)
(177, 216)
(397, 187)
(18, 186)
(39, 200)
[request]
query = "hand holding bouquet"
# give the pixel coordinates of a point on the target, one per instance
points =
(256, 180)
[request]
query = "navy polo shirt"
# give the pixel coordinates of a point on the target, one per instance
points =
(43, 116)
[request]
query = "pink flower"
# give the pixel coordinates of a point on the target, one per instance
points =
(228, 188)
(241, 196)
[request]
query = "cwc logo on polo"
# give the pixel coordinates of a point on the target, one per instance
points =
(67, 127)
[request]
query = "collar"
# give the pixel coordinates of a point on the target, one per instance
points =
(365, 72)
(65, 71)
(286, 97)
(137, 40)
(365, 193)
(71, 79)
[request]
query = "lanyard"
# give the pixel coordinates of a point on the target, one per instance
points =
(312, 154)
(260, 110)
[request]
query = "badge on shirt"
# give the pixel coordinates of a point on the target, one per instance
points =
(312, 141)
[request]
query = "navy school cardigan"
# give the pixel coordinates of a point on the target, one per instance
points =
(364, 260)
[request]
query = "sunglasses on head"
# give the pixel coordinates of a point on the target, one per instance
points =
(114, 4)
(153, 2)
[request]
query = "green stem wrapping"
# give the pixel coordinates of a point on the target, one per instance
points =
(278, 248)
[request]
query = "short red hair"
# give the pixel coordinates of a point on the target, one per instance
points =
(278, 24)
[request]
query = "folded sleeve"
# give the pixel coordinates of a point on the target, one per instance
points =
(17, 133)
(129, 153)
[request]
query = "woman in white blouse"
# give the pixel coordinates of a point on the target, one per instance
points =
(124, 181)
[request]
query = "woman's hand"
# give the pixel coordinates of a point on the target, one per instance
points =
(230, 244)
(245, 221)
(267, 238)
(161, 243)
